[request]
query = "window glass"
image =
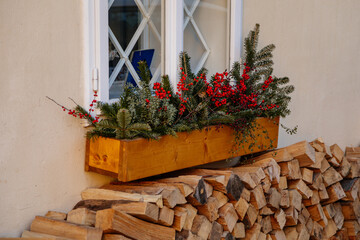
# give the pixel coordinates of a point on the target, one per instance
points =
(206, 34)
(134, 35)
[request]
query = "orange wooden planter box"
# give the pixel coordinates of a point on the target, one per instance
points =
(129, 160)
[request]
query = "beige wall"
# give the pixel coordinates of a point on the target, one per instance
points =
(41, 148)
(318, 48)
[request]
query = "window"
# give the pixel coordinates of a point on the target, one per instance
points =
(122, 32)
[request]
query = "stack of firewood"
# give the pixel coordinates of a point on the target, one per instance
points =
(303, 191)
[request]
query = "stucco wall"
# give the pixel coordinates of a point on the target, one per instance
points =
(41, 148)
(318, 48)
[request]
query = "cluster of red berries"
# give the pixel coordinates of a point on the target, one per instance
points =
(160, 91)
(267, 83)
(220, 90)
(80, 115)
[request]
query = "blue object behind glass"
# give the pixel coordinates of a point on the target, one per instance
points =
(137, 56)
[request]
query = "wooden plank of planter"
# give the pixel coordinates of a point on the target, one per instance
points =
(104, 194)
(112, 221)
(64, 229)
(304, 152)
(139, 158)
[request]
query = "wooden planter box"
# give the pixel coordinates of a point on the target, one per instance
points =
(129, 160)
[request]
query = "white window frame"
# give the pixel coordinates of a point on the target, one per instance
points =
(96, 59)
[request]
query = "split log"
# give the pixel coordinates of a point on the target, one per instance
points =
(335, 192)
(201, 226)
(209, 209)
(253, 233)
(56, 215)
(278, 220)
(295, 199)
(319, 158)
(142, 210)
(83, 216)
(104, 194)
(166, 216)
(265, 211)
(291, 216)
(216, 231)
(279, 155)
(256, 173)
(344, 168)
(35, 235)
(315, 199)
(353, 228)
(354, 168)
(232, 184)
(317, 214)
(331, 176)
(220, 197)
(251, 216)
(257, 197)
(330, 229)
(284, 198)
(304, 152)
(64, 229)
(239, 230)
(96, 204)
(324, 165)
(180, 215)
(227, 217)
(337, 152)
(273, 199)
(329, 210)
(278, 235)
(115, 237)
(186, 235)
(338, 217)
(307, 175)
(191, 213)
(282, 183)
(317, 231)
(266, 225)
(270, 168)
(301, 186)
(185, 189)
(351, 210)
(291, 169)
(202, 190)
(291, 233)
(112, 221)
(241, 208)
(351, 188)
(303, 232)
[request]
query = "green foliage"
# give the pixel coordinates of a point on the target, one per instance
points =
(153, 110)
